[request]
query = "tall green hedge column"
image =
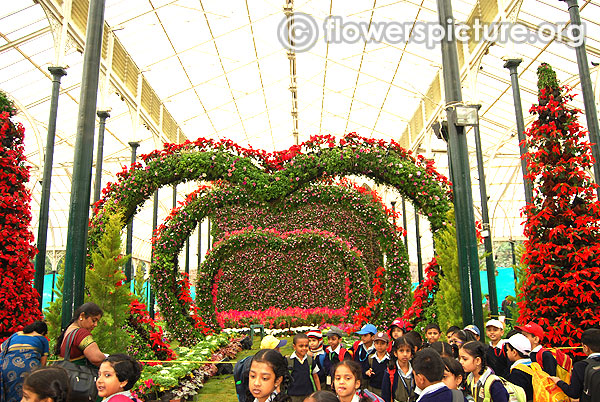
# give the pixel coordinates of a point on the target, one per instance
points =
(75, 258)
(468, 258)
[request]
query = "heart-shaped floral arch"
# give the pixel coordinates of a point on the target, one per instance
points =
(178, 226)
(271, 176)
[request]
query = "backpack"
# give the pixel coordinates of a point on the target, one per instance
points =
(372, 396)
(564, 364)
(310, 360)
(544, 389)
(241, 380)
(591, 382)
(515, 393)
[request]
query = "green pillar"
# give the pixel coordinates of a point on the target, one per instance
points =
(40, 258)
(75, 258)
(419, 258)
(154, 225)
(102, 115)
(405, 223)
(487, 230)
(468, 258)
(129, 243)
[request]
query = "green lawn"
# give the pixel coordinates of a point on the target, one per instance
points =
(222, 388)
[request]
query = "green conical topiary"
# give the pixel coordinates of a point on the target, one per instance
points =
(107, 288)
(449, 302)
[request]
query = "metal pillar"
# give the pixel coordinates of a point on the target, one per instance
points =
(154, 225)
(187, 255)
(405, 224)
(512, 252)
(208, 235)
(129, 245)
(199, 245)
(512, 65)
(103, 115)
(487, 231)
(468, 258)
(75, 258)
(53, 284)
(40, 259)
(589, 102)
(419, 258)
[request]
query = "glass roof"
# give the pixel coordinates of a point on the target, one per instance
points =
(182, 69)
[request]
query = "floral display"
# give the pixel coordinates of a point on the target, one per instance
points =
(424, 295)
(562, 249)
(277, 318)
(265, 177)
(148, 341)
(369, 312)
(276, 284)
(183, 378)
(18, 299)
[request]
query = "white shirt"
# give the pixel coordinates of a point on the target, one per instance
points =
(270, 398)
(408, 374)
(387, 356)
(536, 349)
(499, 345)
(430, 389)
(337, 350)
(526, 362)
(368, 350)
(294, 356)
(594, 355)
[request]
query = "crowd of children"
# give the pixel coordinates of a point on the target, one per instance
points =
(397, 366)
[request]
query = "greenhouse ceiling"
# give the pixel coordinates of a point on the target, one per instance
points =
(173, 70)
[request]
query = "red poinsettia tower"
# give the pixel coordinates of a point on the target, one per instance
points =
(18, 299)
(562, 250)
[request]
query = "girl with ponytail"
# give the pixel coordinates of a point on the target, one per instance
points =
(269, 378)
(347, 383)
(482, 384)
(83, 349)
(46, 384)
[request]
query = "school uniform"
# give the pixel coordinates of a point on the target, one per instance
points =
(437, 392)
(361, 355)
(402, 388)
(324, 365)
(548, 360)
(575, 389)
(302, 384)
(497, 359)
(521, 378)
(379, 367)
(497, 391)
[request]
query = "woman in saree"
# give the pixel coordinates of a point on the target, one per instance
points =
(83, 349)
(21, 353)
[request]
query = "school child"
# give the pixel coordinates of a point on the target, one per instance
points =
(398, 382)
(303, 369)
(461, 337)
(377, 362)
(454, 374)
(444, 349)
(518, 348)
(432, 333)
(397, 328)
(534, 332)
(117, 375)
(496, 353)
(415, 339)
(335, 352)
(451, 331)
(322, 396)
(482, 384)
(269, 377)
(347, 383)
(317, 352)
(473, 330)
(591, 347)
(363, 348)
(428, 369)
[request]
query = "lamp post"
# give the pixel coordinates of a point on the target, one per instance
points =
(75, 258)
(589, 102)
(40, 259)
(486, 233)
(102, 115)
(405, 224)
(512, 65)
(468, 259)
(419, 258)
